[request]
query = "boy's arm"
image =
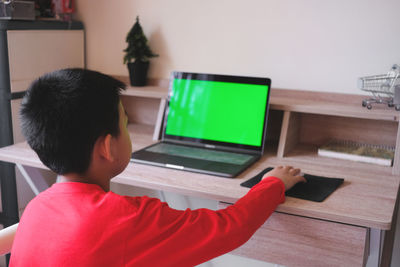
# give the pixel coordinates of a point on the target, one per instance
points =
(7, 238)
(190, 237)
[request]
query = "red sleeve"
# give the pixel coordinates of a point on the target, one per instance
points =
(187, 238)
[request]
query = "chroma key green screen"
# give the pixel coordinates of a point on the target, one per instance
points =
(218, 111)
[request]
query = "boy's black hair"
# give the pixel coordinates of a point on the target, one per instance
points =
(63, 114)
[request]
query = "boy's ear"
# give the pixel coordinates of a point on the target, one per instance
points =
(105, 147)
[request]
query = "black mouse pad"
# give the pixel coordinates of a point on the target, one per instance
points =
(316, 189)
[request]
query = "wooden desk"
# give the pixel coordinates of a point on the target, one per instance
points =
(337, 232)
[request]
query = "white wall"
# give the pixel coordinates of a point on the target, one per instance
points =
(300, 44)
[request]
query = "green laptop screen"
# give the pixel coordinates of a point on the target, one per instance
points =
(219, 111)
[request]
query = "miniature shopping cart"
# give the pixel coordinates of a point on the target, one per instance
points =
(382, 88)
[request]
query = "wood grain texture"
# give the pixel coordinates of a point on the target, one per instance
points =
(335, 104)
(345, 105)
(160, 119)
(304, 242)
(318, 129)
(146, 91)
(387, 248)
(289, 133)
(141, 110)
(396, 161)
(367, 197)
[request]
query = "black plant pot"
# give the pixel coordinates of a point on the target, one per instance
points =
(138, 72)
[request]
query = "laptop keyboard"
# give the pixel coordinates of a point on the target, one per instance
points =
(200, 153)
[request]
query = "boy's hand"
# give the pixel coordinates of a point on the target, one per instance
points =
(289, 175)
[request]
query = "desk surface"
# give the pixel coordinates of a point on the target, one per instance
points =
(365, 199)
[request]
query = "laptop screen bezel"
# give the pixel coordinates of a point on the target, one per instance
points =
(210, 143)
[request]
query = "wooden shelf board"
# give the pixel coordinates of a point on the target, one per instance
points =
(141, 135)
(295, 101)
(308, 154)
(333, 108)
(146, 91)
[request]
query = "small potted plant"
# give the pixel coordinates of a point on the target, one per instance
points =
(137, 55)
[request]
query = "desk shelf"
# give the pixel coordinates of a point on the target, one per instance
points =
(361, 210)
(299, 121)
(331, 104)
(305, 153)
(156, 92)
(145, 104)
(303, 133)
(140, 135)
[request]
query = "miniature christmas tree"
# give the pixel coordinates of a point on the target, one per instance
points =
(138, 48)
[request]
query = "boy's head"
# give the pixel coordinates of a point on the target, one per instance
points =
(65, 112)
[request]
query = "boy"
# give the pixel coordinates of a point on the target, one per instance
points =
(75, 122)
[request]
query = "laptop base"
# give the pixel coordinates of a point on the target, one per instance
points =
(194, 163)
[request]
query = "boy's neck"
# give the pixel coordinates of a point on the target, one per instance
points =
(72, 177)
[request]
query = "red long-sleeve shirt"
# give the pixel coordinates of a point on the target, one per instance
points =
(78, 224)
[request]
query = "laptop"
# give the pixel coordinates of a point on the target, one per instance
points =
(213, 124)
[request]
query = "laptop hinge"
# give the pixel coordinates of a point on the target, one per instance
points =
(214, 147)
